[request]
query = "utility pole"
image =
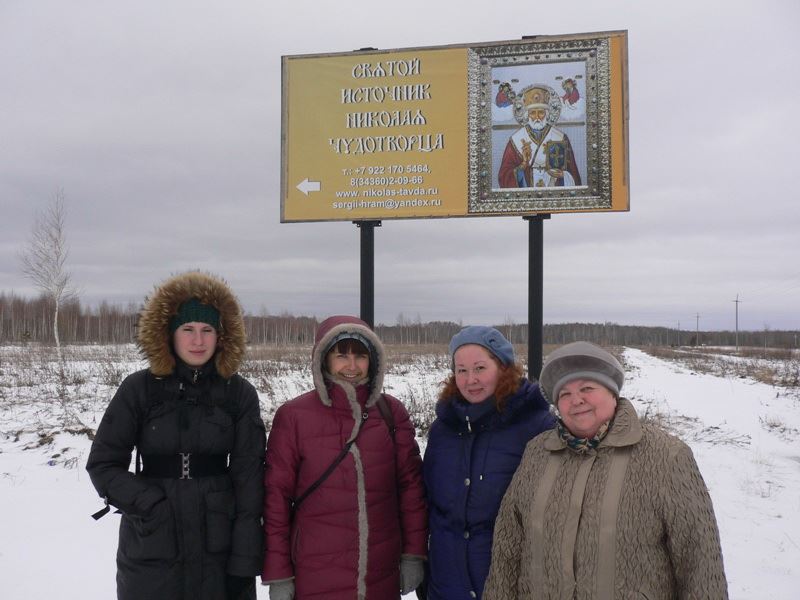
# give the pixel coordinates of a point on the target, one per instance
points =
(697, 331)
(737, 322)
(679, 333)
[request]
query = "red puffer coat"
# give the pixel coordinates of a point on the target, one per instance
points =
(347, 537)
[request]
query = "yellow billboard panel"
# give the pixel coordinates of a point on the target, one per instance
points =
(375, 136)
(523, 127)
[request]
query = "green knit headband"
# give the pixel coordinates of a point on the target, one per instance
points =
(193, 311)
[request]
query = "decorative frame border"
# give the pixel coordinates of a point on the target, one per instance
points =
(595, 193)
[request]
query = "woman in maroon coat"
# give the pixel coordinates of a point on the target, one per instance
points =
(361, 534)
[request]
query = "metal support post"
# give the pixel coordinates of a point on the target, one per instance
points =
(535, 295)
(368, 270)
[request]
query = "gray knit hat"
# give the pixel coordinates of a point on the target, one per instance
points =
(351, 335)
(488, 337)
(579, 360)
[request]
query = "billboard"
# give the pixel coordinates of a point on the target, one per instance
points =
(502, 128)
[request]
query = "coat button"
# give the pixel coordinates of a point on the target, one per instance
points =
(466, 481)
(466, 535)
(472, 594)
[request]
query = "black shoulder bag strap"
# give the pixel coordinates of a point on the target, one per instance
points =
(386, 414)
(152, 393)
(388, 417)
(295, 503)
(156, 390)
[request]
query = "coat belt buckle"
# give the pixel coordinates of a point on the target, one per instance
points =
(185, 465)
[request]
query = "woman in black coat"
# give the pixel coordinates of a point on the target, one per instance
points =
(191, 510)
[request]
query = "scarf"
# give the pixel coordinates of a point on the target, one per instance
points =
(582, 445)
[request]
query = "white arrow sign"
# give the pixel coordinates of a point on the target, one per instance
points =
(306, 186)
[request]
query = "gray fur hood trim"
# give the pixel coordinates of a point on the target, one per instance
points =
(326, 335)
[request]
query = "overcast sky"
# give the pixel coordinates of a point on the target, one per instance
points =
(160, 121)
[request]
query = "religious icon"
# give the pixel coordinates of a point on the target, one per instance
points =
(538, 154)
(541, 113)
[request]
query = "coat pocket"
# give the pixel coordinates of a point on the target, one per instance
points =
(220, 513)
(149, 537)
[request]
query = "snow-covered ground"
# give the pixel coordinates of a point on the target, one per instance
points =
(744, 435)
(746, 439)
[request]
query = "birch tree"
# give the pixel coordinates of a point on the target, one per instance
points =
(44, 259)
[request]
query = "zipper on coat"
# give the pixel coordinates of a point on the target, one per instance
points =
(469, 427)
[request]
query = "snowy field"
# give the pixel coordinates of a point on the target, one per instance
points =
(745, 436)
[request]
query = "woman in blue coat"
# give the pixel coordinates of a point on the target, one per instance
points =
(486, 414)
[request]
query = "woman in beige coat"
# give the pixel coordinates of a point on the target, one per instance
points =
(603, 506)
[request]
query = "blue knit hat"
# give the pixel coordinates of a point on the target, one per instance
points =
(488, 337)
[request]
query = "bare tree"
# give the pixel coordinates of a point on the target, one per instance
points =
(44, 259)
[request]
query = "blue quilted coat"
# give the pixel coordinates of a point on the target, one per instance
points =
(472, 453)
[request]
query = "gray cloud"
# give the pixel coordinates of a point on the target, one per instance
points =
(161, 122)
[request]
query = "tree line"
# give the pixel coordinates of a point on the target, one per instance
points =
(31, 320)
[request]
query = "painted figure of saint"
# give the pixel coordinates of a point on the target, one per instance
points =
(571, 95)
(505, 95)
(538, 154)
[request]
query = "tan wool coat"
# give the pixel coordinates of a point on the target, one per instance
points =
(631, 519)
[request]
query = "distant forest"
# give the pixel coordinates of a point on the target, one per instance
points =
(31, 320)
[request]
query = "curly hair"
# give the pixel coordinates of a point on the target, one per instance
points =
(507, 384)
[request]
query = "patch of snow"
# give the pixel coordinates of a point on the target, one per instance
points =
(742, 433)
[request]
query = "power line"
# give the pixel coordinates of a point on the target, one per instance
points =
(786, 285)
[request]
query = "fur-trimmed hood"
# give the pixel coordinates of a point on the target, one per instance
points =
(328, 330)
(155, 340)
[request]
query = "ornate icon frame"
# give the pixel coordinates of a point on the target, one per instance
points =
(529, 56)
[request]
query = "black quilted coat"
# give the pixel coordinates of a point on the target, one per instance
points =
(180, 538)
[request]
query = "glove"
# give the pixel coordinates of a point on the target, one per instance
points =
(282, 590)
(412, 572)
(240, 588)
